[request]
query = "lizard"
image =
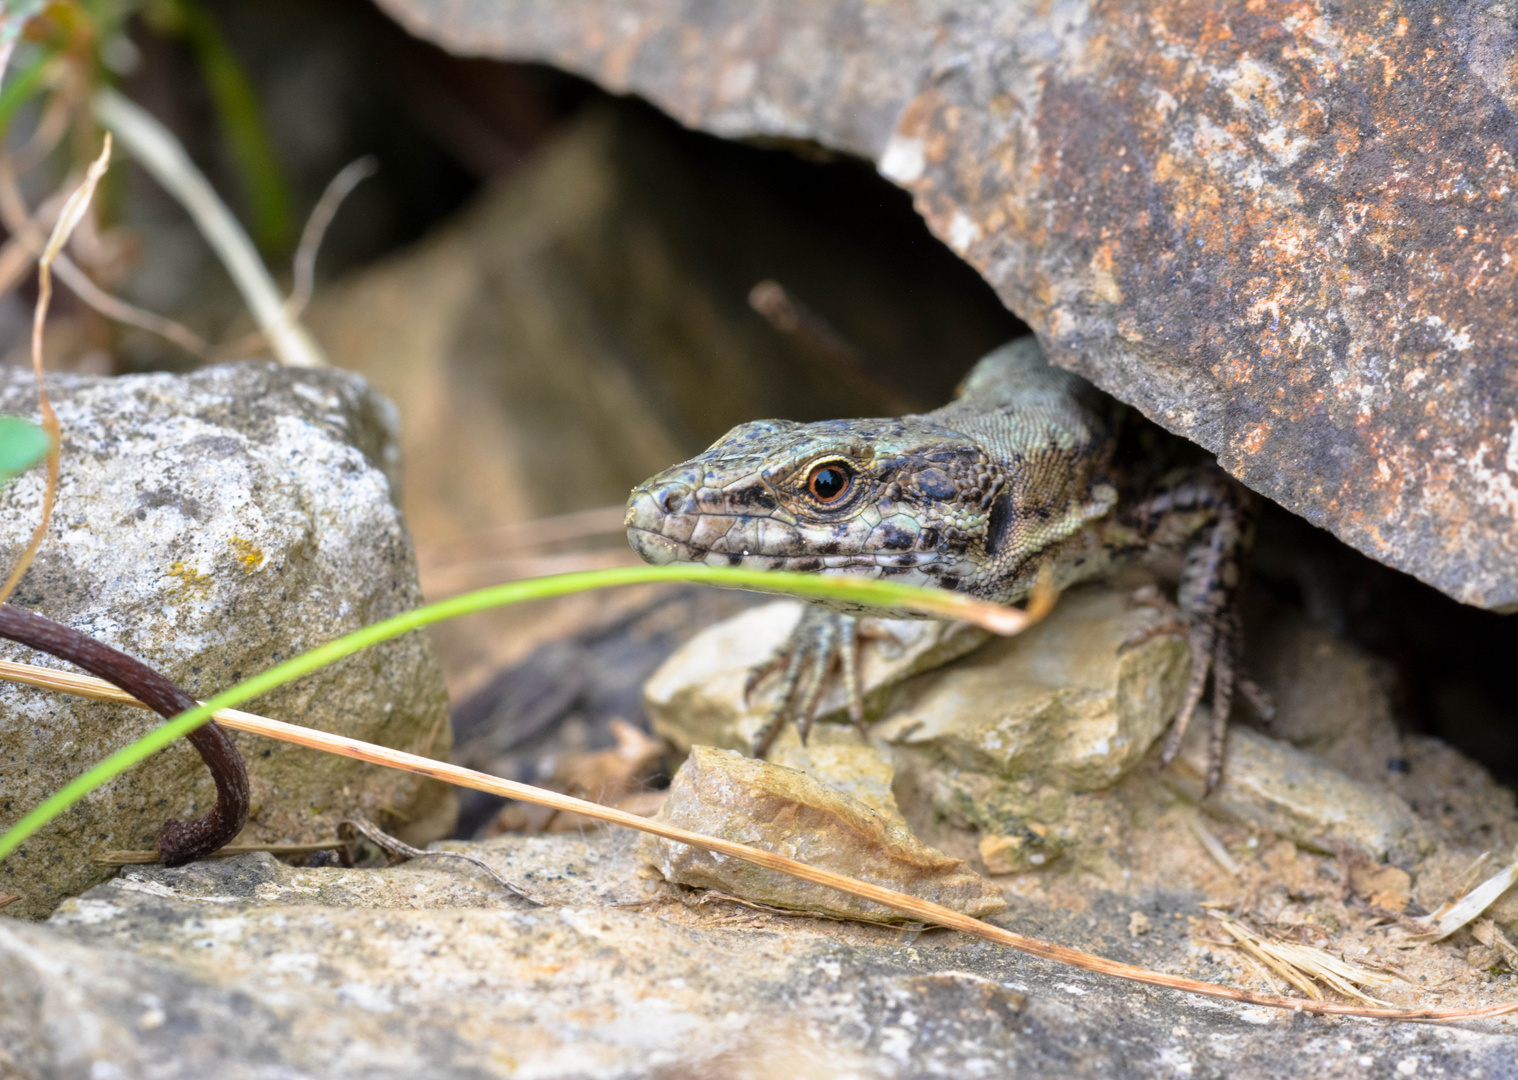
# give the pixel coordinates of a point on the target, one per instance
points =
(1020, 475)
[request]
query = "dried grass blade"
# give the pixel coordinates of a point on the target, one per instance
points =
(68, 219)
(1454, 914)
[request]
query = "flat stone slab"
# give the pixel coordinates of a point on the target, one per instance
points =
(1288, 232)
(247, 968)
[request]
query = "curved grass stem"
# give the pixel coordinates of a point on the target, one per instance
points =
(929, 602)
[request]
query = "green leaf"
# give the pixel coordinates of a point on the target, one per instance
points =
(248, 137)
(22, 445)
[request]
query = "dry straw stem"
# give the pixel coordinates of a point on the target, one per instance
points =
(914, 907)
(352, 174)
(523, 536)
(68, 219)
(161, 154)
(338, 189)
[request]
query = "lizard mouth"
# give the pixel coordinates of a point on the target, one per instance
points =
(661, 535)
(660, 550)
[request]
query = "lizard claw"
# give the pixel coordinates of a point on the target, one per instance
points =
(1214, 651)
(1208, 607)
(822, 640)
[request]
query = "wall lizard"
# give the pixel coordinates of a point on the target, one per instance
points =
(1020, 474)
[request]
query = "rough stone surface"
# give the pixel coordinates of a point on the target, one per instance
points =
(213, 525)
(1023, 738)
(1299, 796)
(697, 695)
(1285, 231)
(246, 968)
(724, 794)
(1062, 705)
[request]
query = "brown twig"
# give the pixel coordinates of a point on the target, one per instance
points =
(178, 842)
(406, 851)
(825, 344)
(915, 907)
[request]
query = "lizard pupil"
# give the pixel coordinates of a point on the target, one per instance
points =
(829, 482)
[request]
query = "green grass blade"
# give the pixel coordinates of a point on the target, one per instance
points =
(269, 201)
(22, 85)
(866, 592)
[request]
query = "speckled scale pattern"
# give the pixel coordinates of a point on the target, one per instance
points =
(1013, 478)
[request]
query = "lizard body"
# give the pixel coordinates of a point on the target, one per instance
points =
(1016, 476)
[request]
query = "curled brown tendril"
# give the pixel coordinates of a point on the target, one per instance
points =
(179, 842)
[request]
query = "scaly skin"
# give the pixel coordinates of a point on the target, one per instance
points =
(1014, 477)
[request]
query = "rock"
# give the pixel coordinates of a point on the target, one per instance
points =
(696, 696)
(1010, 739)
(1387, 887)
(215, 524)
(724, 794)
(1061, 705)
(245, 968)
(1286, 233)
(996, 739)
(1332, 699)
(1299, 796)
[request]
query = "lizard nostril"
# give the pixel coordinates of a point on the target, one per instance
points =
(669, 500)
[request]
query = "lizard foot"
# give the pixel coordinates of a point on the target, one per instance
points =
(1215, 649)
(1207, 613)
(1176, 623)
(1215, 638)
(821, 641)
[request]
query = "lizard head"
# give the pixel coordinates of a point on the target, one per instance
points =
(907, 499)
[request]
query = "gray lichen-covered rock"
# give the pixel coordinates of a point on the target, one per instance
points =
(248, 969)
(215, 524)
(1286, 231)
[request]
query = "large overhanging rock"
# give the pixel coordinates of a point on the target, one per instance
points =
(1285, 231)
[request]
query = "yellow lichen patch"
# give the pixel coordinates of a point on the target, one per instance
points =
(249, 555)
(191, 580)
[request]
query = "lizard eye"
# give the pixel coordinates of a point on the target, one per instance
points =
(829, 481)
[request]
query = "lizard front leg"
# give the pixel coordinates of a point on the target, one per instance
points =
(822, 640)
(1216, 515)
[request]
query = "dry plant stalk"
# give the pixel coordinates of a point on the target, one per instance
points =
(143, 856)
(311, 238)
(924, 910)
(156, 149)
(68, 219)
(1305, 966)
